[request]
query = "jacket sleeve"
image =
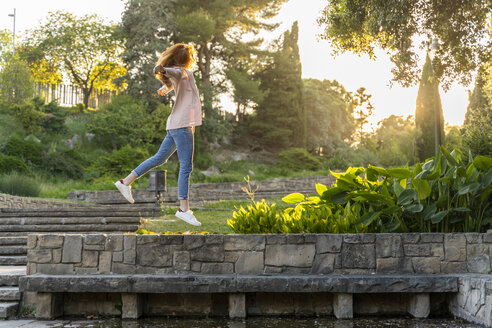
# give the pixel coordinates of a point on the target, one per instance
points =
(174, 73)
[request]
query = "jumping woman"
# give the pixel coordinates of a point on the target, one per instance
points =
(173, 70)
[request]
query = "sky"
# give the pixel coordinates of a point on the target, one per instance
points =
(316, 59)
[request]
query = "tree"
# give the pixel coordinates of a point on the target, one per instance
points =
(280, 119)
(428, 102)
(84, 49)
(329, 109)
(394, 25)
(16, 83)
(362, 114)
(477, 128)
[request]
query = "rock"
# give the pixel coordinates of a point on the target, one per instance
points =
(244, 242)
(213, 170)
(72, 249)
(250, 172)
(362, 256)
(290, 255)
(328, 243)
(388, 246)
(455, 248)
(249, 263)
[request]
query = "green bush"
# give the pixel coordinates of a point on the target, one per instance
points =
(63, 163)
(203, 161)
(12, 164)
(28, 150)
(298, 159)
(444, 194)
(19, 185)
(119, 162)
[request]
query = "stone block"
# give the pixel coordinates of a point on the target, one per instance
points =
(31, 268)
(343, 307)
(96, 239)
(237, 305)
(82, 270)
(231, 256)
(193, 241)
(131, 306)
(388, 265)
(49, 306)
(114, 243)
(473, 237)
(290, 255)
(217, 268)
(50, 241)
(410, 238)
(323, 263)
(389, 245)
(479, 264)
(417, 249)
(32, 241)
(72, 249)
(426, 264)
(90, 258)
(196, 266)
(431, 237)
(129, 256)
(475, 250)
(453, 267)
(55, 269)
(487, 238)
(214, 239)
(361, 256)
(39, 256)
(418, 305)
(181, 261)
(130, 242)
(154, 255)
(437, 250)
(454, 248)
(118, 257)
(244, 242)
(360, 238)
(171, 239)
(208, 253)
(121, 268)
(328, 243)
(249, 263)
(105, 262)
(56, 254)
(93, 247)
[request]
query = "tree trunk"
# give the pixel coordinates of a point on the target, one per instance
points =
(87, 94)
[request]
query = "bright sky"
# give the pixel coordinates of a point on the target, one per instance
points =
(350, 70)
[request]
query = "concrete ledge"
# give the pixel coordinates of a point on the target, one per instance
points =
(239, 283)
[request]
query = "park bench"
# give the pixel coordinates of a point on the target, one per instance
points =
(132, 287)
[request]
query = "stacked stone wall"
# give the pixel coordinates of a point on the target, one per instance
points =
(260, 254)
(9, 201)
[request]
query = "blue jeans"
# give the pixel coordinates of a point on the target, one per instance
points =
(183, 140)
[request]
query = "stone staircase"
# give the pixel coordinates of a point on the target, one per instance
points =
(16, 224)
(10, 296)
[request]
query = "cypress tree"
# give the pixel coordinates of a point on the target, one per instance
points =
(428, 101)
(477, 128)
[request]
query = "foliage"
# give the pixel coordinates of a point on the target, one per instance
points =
(298, 159)
(445, 194)
(12, 164)
(15, 81)
(66, 163)
(280, 119)
(83, 48)
(477, 128)
(460, 26)
(328, 108)
(120, 161)
(428, 102)
(19, 185)
(122, 121)
(28, 151)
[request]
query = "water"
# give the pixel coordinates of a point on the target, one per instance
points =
(261, 323)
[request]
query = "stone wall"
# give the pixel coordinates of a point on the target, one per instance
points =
(260, 254)
(9, 201)
(209, 191)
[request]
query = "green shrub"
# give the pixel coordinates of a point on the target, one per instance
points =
(12, 164)
(28, 150)
(298, 159)
(203, 161)
(19, 185)
(119, 162)
(62, 163)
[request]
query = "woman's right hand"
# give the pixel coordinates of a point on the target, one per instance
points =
(162, 91)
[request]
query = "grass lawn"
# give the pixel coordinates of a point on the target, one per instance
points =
(213, 217)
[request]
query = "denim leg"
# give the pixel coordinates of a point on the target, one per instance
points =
(167, 148)
(185, 144)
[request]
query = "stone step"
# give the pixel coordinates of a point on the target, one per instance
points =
(89, 213)
(10, 294)
(9, 275)
(21, 240)
(8, 309)
(70, 228)
(13, 250)
(4, 234)
(13, 260)
(68, 220)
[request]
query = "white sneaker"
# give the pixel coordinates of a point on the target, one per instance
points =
(125, 190)
(188, 217)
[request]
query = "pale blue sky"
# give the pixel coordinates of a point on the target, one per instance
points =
(352, 71)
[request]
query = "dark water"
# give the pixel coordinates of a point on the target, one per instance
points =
(271, 323)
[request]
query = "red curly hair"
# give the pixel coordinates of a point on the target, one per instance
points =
(180, 54)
